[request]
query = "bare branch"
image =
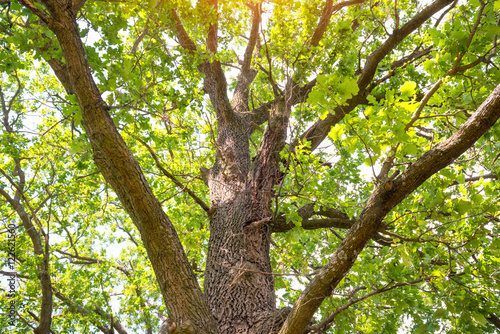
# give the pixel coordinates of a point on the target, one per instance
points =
(171, 176)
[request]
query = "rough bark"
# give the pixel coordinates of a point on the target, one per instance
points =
(334, 218)
(494, 319)
(238, 283)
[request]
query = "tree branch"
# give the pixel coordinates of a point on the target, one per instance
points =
(140, 38)
(171, 176)
(327, 13)
(77, 5)
(494, 319)
(326, 323)
(184, 40)
(318, 131)
(247, 74)
(383, 201)
(453, 70)
(215, 80)
(335, 219)
(120, 168)
(38, 12)
(13, 274)
(37, 319)
(213, 28)
(38, 245)
(87, 260)
(74, 307)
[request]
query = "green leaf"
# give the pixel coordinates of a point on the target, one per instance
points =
(408, 89)
(462, 206)
(411, 149)
(479, 318)
(336, 131)
(347, 88)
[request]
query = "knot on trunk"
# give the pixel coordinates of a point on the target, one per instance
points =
(271, 321)
(170, 327)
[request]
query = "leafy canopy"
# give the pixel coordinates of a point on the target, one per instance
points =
(435, 267)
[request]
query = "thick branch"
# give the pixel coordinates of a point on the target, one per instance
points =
(212, 29)
(334, 219)
(266, 171)
(38, 12)
(495, 320)
(77, 5)
(181, 292)
(318, 132)
(381, 202)
(299, 94)
(184, 40)
(325, 18)
(215, 81)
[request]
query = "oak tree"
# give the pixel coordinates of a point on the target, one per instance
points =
(250, 166)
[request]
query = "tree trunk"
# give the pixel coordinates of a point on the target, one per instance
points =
(238, 280)
(238, 283)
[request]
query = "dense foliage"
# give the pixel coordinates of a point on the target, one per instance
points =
(432, 267)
